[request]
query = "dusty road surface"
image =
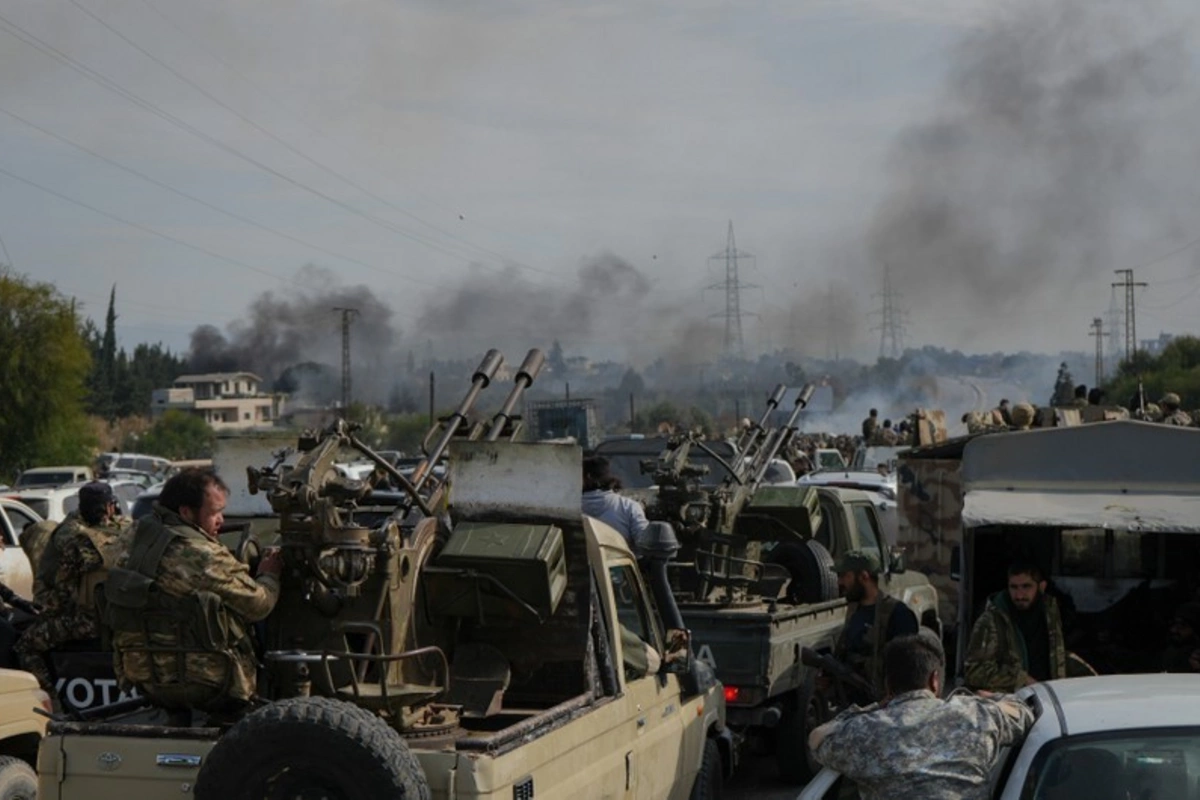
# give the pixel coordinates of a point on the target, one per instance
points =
(756, 781)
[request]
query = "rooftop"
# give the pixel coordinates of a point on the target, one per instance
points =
(217, 377)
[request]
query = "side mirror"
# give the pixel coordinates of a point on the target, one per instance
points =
(678, 658)
(956, 563)
(896, 563)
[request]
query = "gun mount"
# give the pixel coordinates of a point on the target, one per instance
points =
(347, 623)
(722, 534)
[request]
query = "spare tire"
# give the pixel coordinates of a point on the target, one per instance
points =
(311, 747)
(811, 568)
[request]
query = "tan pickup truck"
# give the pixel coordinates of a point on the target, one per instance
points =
(21, 730)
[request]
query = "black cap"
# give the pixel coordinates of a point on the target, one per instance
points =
(97, 493)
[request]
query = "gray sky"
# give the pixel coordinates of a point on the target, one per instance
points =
(1002, 157)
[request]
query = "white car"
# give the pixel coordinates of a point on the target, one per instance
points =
(1110, 737)
(15, 572)
(52, 504)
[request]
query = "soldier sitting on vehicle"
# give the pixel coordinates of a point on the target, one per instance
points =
(180, 605)
(1171, 413)
(74, 561)
(1018, 640)
(870, 425)
(873, 617)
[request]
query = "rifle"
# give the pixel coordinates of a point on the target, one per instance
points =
(844, 677)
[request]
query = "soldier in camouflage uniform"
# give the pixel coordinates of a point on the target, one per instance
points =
(1172, 414)
(74, 560)
(1018, 640)
(916, 746)
(181, 605)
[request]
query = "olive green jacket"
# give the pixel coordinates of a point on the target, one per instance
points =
(997, 659)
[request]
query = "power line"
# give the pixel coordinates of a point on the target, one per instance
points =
(232, 215)
(891, 324)
(97, 77)
(1130, 311)
(140, 227)
(732, 286)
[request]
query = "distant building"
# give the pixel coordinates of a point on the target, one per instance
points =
(1155, 347)
(224, 400)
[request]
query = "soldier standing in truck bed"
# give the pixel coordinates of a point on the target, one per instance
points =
(74, 562)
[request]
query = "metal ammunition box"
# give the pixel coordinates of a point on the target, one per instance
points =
(779, 513)
(487, 566)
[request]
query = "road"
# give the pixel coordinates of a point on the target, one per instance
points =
(756, 780)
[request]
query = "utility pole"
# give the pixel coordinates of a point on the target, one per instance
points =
(733, 299)
(891, 324)
(1130, 320)
(1098, 332)
(347, 315)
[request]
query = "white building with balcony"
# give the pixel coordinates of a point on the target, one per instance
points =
(224, 400)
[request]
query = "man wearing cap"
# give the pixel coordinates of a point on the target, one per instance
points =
(1183, 652)
(873, 617)
(1172, 415)
(75, 561)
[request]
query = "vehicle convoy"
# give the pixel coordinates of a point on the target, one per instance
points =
(754, 578)
(1111, 737)
(486, 641)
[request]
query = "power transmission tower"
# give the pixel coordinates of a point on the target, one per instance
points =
(891, 322)
(1098, 332)
(733, 300)
(831, 340)
(1130, 321)
(1116, 333)
(347, 315)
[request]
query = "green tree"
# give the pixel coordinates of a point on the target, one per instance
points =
(176, 435)
(46, 364)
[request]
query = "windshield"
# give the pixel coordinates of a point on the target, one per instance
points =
(44, 478)
(625, 457)
(1149, 765)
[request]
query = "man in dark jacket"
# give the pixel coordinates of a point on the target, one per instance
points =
(1018, 640)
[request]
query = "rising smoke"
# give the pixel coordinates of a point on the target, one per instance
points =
(301, 325)
(1064, 134)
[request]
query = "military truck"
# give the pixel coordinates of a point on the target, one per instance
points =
(23, 709)
(754, 578)
(492, 643)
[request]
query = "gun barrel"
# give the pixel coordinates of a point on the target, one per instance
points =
(772, 447)
(479, 381)
(526, 375)
(755, 433)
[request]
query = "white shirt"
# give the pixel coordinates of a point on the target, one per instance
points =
(621, 513)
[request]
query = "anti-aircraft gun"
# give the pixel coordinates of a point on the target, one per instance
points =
(723, 529)
(487, 641)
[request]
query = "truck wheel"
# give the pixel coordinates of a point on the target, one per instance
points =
(811, 568)
(795, 760)
(708, 785)
(311, 747)
(18, 781)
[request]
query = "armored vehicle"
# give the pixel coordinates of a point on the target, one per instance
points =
(754, 577)
(486, 641)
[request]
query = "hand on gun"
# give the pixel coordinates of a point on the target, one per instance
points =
(271, 562)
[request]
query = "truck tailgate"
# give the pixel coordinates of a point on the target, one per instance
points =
(146, 763)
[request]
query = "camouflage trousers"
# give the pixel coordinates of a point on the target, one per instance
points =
(47, 633)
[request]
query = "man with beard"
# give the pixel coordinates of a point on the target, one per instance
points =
(1018, 639)
(873, 618)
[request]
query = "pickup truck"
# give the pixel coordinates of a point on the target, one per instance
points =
(538, 659)
(755, 581)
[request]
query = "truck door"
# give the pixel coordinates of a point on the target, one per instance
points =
(657, 759)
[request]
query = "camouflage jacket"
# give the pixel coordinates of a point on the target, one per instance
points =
(191, 564)
(1180, 418)
(72, 558)
(996, 657)
(918, 747)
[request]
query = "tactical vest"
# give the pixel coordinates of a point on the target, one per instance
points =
(169, 627)
(868, 659)
(108, 544)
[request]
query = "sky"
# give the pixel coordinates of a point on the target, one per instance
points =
(517, 172)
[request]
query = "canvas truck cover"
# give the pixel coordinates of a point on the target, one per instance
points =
(1127, 475)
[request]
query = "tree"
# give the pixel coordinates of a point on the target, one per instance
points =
(176, 435)
(46, 363)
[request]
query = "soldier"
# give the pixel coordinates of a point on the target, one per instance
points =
(870, 424)
(917, 745)
(179, 591)
(887, 435)
(1183, 652)
(1018, 640)
(1080, 400)
(1023, 415)
(73, 562)
(1172, 415)
(873, 617)
(601, 501)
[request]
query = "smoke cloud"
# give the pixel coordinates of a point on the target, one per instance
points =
(302, 325)
(1058, 145)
